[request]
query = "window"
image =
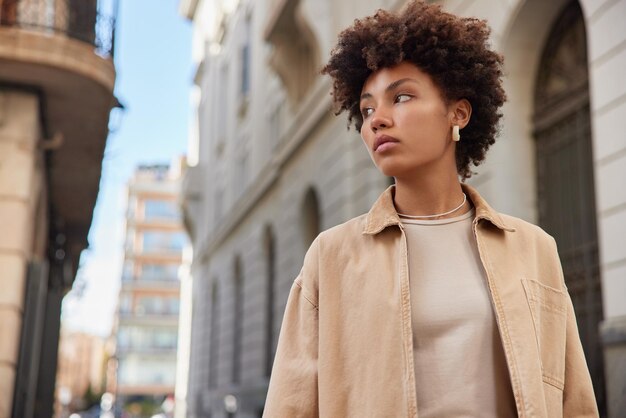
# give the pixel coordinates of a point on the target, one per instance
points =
(219, 205)
(245, 58)
(242, 171)
(149, 305)
(311, 217)
(128, 273)
(173, 305)
(139, 370)
(223, 104)
(245, 69)
(274, 125)
(163, 241)
(147, 338)
(164, 272)
(157, 305)
(214, 342)
(270, 266)
(126, 304)
(238, 319)
(161, 210)
(165, 339)
(123, 338)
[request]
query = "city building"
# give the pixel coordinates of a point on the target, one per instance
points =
(56, 93)
(146, 325)
(80, 370)
(272, 166)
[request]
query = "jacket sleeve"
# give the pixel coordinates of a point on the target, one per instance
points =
(292, 390)
(578, 397)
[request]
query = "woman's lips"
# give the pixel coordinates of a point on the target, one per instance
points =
(385, 146)
(384, 142)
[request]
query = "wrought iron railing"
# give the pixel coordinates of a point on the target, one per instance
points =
(145, 347)
(77, 19)
(151, 278)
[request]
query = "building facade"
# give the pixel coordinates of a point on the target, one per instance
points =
(272, 166)
(56, 93)
(146, 326)
(81, 369)
(184, 334)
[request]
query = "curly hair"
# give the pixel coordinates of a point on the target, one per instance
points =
(453, 51)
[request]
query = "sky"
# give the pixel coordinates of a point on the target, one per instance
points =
(154, 78)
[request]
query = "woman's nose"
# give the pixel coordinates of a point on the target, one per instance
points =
(381, 120)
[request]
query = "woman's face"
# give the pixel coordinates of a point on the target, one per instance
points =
(407, 125)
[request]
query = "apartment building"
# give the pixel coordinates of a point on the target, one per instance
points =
(146, 328)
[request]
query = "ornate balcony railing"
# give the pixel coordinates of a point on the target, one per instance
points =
(77, 19)
(151, 279)
(145, 347)
(141, 312)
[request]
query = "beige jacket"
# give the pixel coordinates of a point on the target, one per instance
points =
(345, 346)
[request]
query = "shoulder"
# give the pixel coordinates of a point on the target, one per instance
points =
(529, 251)
(327, 251)
(347, 231)
(349, 238)
(535, 250)
(333, 243)
(530, 236)
(526, 230)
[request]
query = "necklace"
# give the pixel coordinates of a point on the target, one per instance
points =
(438, 214)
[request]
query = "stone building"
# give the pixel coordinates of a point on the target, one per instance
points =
(56, 93)
(272, 167)
(146, 323)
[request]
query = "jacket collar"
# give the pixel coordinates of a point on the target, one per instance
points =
(383, 212)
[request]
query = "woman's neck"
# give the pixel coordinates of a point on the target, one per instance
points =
(429, 195)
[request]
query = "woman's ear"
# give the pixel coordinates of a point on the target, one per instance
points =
(461, 113)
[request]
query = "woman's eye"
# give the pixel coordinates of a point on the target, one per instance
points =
(402, 98)
(365, 112)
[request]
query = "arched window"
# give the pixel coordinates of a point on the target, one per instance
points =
(244, 85)
(270, 273)
(565, 183)
(238, 319)
(311, 219)
(214, 337)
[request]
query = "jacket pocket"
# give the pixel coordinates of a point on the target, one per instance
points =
(548, 307)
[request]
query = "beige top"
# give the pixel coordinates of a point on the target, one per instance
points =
(460, 368)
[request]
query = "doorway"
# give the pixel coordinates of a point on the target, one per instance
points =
(565, 183)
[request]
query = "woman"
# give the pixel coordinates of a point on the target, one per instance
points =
(432, 304)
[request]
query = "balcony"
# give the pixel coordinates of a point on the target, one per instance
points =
(150, 282)
(169, 317)
(146, 349)
(191, 192)
(169, 255)
(295, 54)
(61, 51)
(75, 19)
